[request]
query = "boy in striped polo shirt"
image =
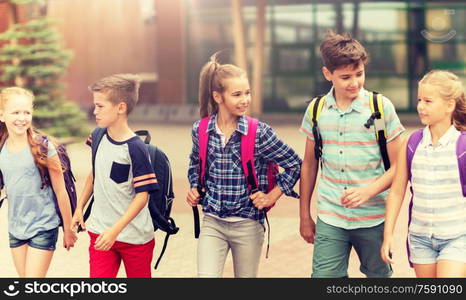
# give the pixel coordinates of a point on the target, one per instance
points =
(353, 184)
(120, 225)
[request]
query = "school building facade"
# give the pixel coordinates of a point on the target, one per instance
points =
(277, 41)
(404, 39)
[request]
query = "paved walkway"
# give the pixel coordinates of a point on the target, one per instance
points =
(289, 255)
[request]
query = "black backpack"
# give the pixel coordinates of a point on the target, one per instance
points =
(67, 175)
(160, 202)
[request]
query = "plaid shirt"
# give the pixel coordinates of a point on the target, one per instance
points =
(227, 193)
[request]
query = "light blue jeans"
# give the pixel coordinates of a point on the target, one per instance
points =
(244, 238)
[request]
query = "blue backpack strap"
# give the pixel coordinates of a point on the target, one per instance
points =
(96, 137)
(461, 155)
(160, 212)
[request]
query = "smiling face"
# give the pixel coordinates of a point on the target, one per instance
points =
(17, 114)
(236, 98)
(347, 81)
(431, 106)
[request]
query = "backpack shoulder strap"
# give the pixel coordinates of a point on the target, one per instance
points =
(44, 147)
(376, 105)
(203, 141)
(315, 108)
(96, 137)
(461, 154)
(1, 176)
(144, 133)
(248, 144)
(411, 147)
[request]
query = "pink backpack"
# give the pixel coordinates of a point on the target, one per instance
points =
(247, 160)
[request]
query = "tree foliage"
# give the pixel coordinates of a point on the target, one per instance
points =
(32, 56)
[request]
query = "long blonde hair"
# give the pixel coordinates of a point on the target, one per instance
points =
(450, 88)
(33, 135)
(212, 78)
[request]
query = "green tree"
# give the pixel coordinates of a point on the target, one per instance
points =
(33, 57)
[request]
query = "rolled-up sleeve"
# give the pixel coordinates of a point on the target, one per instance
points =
(193, 170)
(271, 148)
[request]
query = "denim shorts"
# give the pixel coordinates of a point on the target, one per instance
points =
(44, 240)
(429, 250)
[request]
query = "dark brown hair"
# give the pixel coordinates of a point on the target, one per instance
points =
(212, 78)
(119, 88)
(339, 50)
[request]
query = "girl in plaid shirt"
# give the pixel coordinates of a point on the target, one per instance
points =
(233, 217)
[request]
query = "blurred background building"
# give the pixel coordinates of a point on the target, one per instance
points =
(168, 41)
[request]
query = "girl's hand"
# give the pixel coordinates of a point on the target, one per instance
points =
(193, 197)
(355, 197)
(106, 240)
(69, 238)
(386, 251)
(78, 220)
(261, 200)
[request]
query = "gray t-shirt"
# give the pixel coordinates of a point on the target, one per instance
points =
(122, 169)
(30, 208)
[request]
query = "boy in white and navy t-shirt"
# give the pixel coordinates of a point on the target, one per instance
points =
(120, 225)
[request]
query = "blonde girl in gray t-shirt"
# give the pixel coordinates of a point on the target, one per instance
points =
(33, 220)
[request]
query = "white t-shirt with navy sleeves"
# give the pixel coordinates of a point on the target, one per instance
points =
(122, 169)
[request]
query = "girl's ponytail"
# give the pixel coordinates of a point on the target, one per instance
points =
(206, 81)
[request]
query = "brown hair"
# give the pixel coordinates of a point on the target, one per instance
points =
(449, 88)
(119, 88)
(341, 50)
(33, 135)
(212, 78)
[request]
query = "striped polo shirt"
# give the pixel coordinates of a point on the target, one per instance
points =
(351, 158)
(439, 208)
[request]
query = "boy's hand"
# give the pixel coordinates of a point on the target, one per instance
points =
(193, 197)
(261, 200)
(355, 197)
(307, 228)
(78, 220)
(386, 251)
(106, 240)
(69, 238)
